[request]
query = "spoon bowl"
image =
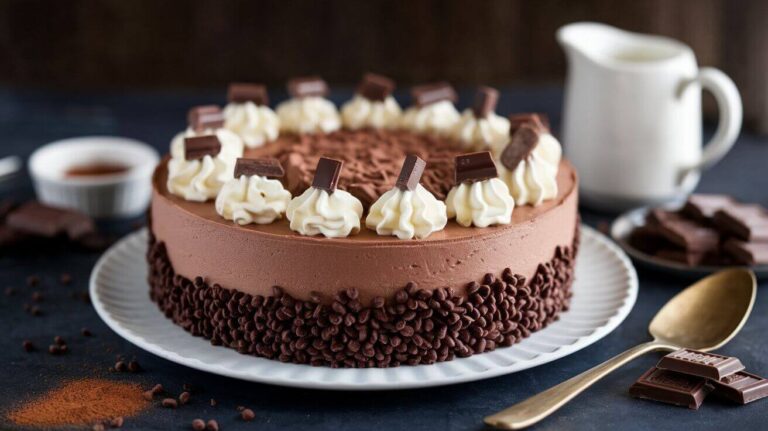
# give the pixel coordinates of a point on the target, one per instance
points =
(707, 314)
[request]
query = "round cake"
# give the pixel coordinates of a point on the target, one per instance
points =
(370, 298)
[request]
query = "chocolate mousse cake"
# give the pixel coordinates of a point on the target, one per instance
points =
(369, 236)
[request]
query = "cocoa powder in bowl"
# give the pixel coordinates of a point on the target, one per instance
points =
(80, 402)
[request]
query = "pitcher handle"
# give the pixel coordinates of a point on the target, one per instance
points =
(730, 113)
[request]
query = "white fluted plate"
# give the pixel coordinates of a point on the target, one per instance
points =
(603, 295)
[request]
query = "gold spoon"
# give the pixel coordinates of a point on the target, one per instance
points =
(703, 317)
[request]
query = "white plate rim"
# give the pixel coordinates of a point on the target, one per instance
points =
(598, 332)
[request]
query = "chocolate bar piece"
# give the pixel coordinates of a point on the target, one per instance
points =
(205, 117)
(701, 364)
(428, 94)
(671, 388)
(270, 168)
(41, 220)
(702, 206)
(538, 121)
(690, 235)
(475, 167)
(327, 174)
(486, 99)
(741, 387)
(310, 86)
(747, 253)
(746, 222)
(521, 144)
(200, 146)
(410, 174)
(688, 257)
(647, 239)
(375, 87)
(240, 92)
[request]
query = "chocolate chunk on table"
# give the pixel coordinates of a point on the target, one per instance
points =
(648, 239)
(375, 87)
(703, 206)
(270, 168)
(690, 235)
(687, 257)
(486, 99)
(671, 388)
(410, 174)
(741, 387)
(747, 253)
(701, 364)
(746, 222)
(200, 146)
(239, 92)
(37, 219)
(475, 167)
(428, 94)
(205, 117)
(310, 86)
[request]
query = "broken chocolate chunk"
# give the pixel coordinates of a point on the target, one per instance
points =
(746, 222)
(700, 364)
(747, 253)
(270, 168)
(34, 218)
(411, 172)
(239, 92)
(205, 117)
(375, 87)
(538, 121)
(690, 235)
(703, 206)
(201, 146)
(741, 387)
(327, 174)
(311, 86)
(672, 388)
(521, 144)
(486, 99)
(428, 94)
(475, 167)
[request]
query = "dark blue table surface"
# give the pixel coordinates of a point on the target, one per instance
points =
(30, 118)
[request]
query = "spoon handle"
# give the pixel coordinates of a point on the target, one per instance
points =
(538, 407)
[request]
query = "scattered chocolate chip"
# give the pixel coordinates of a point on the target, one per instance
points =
(9, 291)
(33, 280)
(311, 86)
(247, 415)
(428, 94)
(212, 425)
(410, 173)
(65, 278)
(85, 332)
(85, 297)
(198, 425)
(270, 168)
(486, 99)
(133, 366)
(213, 402)
(375, 87)
(184, 398)
(59, 340)
(28, 346)
(521, 143)
(239, 92)
(121, 366)
(157, 389)
(205, 117)
(35, 311)
(187, 387)
(170, 403)
(98, 427)
(116, 422)
(327, 174)
(198, 147)
(475, 167)
(55, 349)
(37, 296)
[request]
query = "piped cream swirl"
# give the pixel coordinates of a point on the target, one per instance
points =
(311, 114)
(480, 134)
(201, 179)
(481, 203)
(253, 199)
(361, 112)
(407, 214)
(534, 180)
(436, 118)
(334, 215)
(255, 124)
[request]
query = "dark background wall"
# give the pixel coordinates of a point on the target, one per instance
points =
(79, 44)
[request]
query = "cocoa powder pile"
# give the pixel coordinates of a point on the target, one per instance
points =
(81, 402)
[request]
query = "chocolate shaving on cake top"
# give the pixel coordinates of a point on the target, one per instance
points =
(327, 174)
(486, 100)
(410, 174)
(310, 86)
(239, 92)
(270, 168)
(428, 94)
(200, 146)
(475, 167)
(375, 87)
(205, 117)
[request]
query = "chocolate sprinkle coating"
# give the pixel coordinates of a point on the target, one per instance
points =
(270, 168)
(205, 117)
(307, 87)
(414, 326)
(200, 146)
(375, 87)
(486, 99)
(410, 174)
(428, 94)
(521, 144)
(475, 167)
(327, 174)
(239, 92)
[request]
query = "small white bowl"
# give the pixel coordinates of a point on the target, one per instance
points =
(123, 194)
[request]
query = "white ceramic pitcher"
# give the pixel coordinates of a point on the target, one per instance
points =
(632, 115)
